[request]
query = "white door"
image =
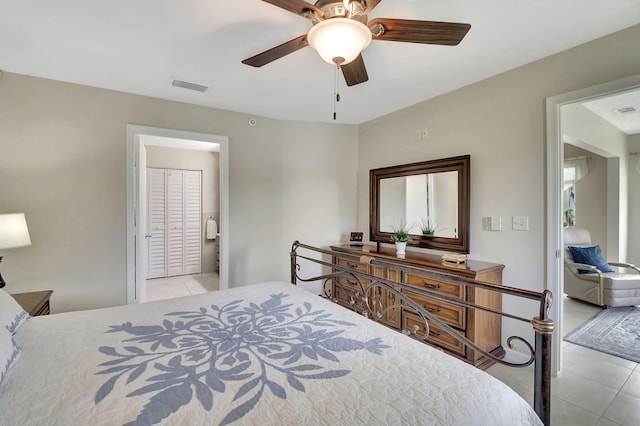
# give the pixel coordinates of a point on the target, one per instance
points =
(156, 223)
(175, 215)
(193, 221)
(174, 200)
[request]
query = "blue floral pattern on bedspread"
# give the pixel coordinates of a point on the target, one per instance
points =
(202, 352)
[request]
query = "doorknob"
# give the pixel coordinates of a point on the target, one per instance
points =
(148, 236)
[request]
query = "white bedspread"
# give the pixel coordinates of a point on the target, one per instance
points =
(264, 354)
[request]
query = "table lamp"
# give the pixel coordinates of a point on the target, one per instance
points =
(13, 233)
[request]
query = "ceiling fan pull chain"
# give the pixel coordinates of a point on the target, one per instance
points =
(336, 90)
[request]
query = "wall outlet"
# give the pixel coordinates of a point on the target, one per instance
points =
(421, 134)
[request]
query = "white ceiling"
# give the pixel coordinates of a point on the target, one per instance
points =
(138, 46)
(609, 108)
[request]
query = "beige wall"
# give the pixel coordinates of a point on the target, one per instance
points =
(500, 122)
(62, 162)
(634, 200)
(209, 164)
(591, 195)
(589, 131)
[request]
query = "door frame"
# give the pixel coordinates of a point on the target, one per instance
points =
(554, 180)
(135, 162)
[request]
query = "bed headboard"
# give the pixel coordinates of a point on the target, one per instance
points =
(362, 299)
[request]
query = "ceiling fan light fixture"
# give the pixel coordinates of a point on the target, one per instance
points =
(339, 40)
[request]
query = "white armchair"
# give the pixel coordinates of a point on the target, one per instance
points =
(606, 289)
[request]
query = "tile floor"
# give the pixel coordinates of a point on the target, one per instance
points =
(593, 389)
(181, 285)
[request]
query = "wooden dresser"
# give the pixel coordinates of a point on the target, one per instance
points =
(482, 328)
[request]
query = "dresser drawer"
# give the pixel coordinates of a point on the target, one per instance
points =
(348, 281)
(353, 264)
(342, 293)
(437, 286)
(437, 336)
(449, 313)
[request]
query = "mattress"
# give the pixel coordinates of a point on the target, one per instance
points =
(268, 353)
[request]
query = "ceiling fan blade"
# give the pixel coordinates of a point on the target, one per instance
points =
(277, 52)
(294, 6)
(427, 32)
(371, 4)
(355, 72)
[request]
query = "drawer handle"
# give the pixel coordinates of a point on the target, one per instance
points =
(352, 265)
(431, 310)
(433, 286)
(431, 332)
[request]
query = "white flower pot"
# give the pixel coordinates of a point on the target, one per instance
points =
(401, 248)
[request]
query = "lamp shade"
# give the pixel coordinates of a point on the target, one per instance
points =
(339, 40)
(13, 231)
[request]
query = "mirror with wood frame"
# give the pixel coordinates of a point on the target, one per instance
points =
(430, 199)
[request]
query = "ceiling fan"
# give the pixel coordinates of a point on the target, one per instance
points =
(341, 30)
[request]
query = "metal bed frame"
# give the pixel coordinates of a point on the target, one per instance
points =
(363, 300)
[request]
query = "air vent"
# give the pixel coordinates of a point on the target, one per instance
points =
(626, 110)
(189, 86)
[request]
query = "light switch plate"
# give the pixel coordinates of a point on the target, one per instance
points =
(492, 223)
(520, 223)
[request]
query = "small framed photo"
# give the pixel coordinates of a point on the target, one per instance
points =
(356, 239)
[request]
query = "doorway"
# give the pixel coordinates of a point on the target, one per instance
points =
(137, 141)
(554, 184)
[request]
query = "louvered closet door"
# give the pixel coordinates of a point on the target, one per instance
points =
(193, 223)
(174, 220)
(156, 223)
(175, 214)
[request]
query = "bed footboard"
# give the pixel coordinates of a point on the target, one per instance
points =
(365, 288)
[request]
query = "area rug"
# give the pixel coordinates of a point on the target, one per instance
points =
(614, 331)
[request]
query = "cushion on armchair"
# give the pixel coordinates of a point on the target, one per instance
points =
(590, 255)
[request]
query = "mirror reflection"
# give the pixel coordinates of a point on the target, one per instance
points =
(426, 203)
(429, 200)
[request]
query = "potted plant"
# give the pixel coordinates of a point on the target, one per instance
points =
(400, 236)
(428, 227)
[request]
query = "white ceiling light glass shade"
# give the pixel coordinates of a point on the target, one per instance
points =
(339, 40)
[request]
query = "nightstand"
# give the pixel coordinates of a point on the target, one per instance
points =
(35, 303)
